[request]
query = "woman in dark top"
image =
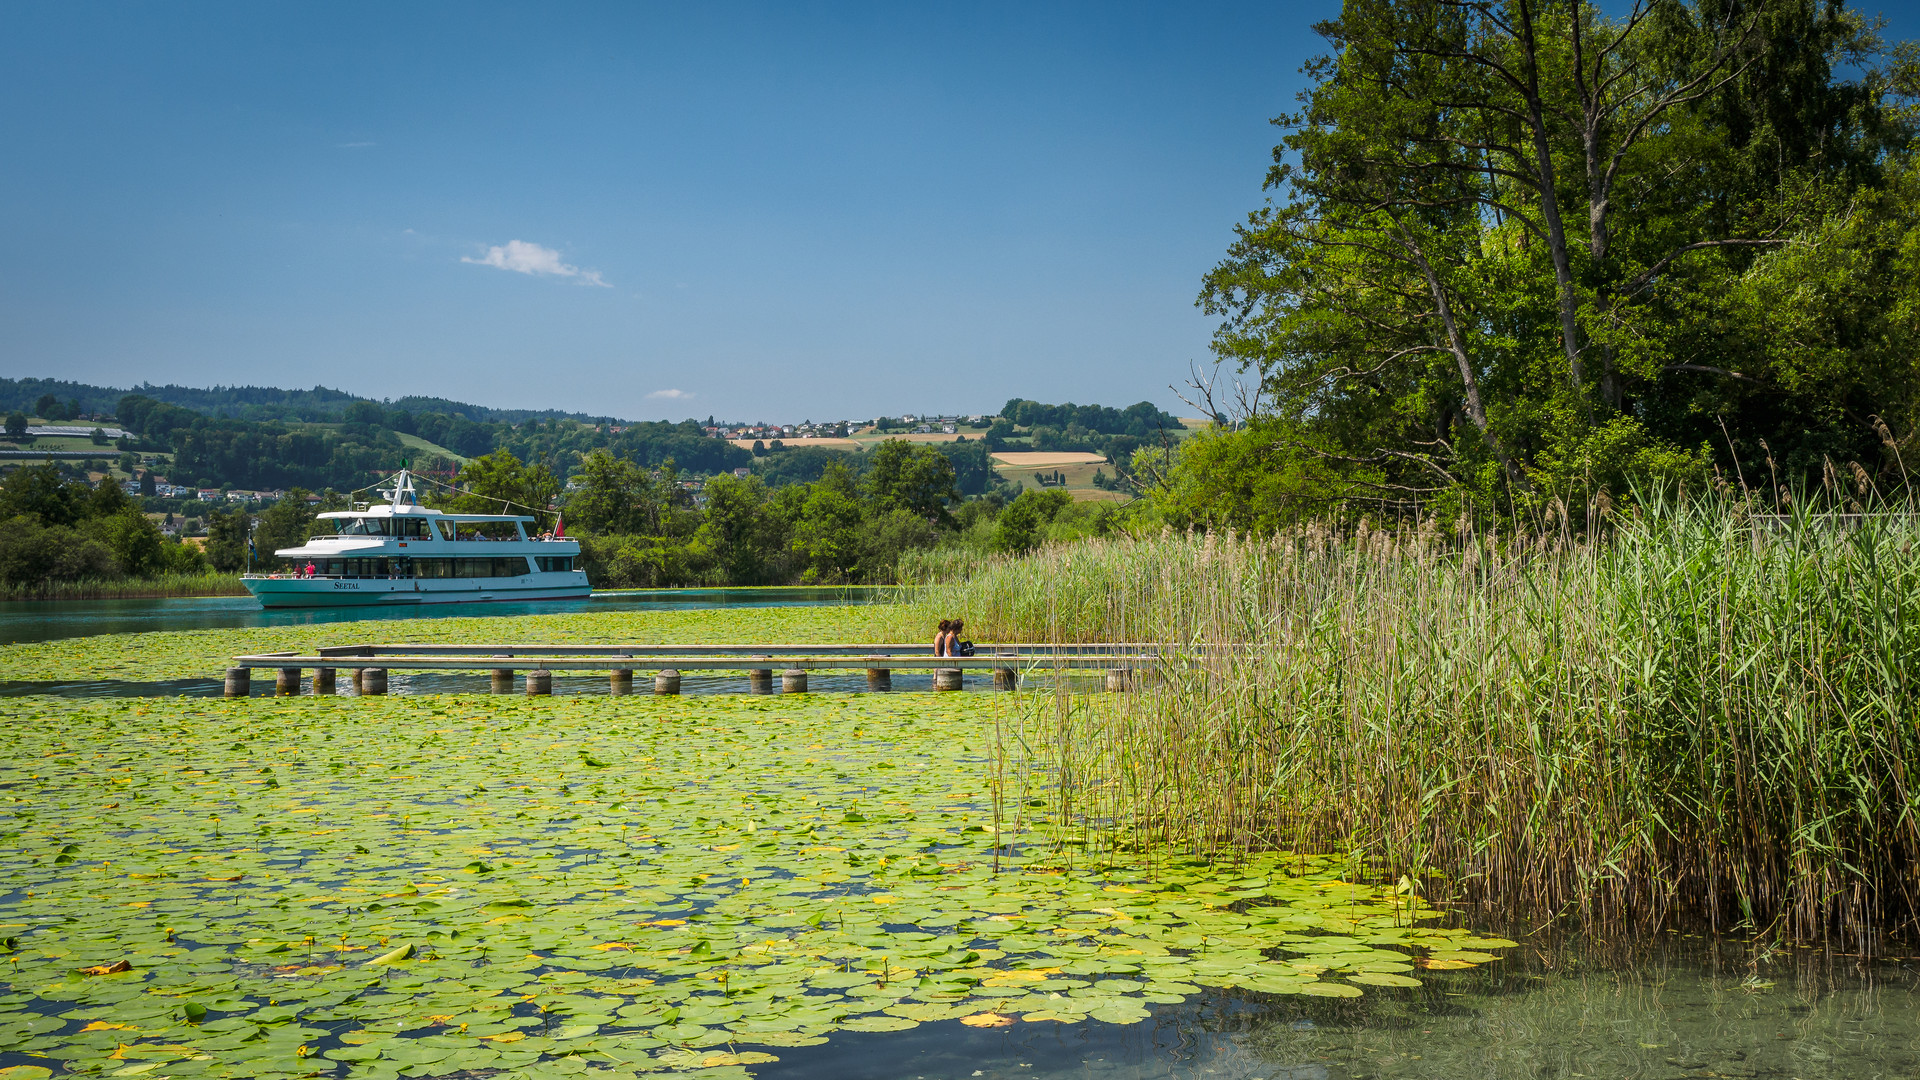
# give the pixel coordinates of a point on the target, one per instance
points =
(942, 640)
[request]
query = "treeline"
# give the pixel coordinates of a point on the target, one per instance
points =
(55, 530)
(365, 444)
(318, 405)
(1098, 429)
(641, 528)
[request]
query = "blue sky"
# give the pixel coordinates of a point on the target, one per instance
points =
(762, 212)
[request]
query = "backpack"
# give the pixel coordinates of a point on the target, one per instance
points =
(965, 648)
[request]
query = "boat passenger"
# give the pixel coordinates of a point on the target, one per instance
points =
(309, 567)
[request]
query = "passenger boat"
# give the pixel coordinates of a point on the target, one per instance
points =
(399, 552)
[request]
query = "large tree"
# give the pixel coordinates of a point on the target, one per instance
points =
(1499, 228)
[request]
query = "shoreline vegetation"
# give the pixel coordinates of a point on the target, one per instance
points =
(164, 586)
(1688, 722)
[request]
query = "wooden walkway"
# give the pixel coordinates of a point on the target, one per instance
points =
(1123, 663)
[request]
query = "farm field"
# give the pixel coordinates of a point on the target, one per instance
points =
(1077, 469)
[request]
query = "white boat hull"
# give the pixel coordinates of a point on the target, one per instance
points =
(286, 592)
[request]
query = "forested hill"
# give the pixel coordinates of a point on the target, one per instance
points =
(318, 405)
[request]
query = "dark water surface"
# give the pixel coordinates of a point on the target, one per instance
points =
(46, 620)
(1689, 1011)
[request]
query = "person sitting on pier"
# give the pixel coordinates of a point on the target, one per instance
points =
(942, 639)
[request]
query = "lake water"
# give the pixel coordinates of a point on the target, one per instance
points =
(1681, 1009)
(1686, 1011)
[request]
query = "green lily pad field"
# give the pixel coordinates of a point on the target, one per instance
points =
(590, 886)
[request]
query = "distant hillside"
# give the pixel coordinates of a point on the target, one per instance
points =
(261, 402)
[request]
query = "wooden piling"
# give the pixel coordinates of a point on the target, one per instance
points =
(286, 682)
(666, 682)
(760, 680)
(1119, 680)
(239, 682)
(323, 680)
(947, 678)
(539, 681)
(793, 681)
(879, 678)
(373, 680)
(1005, 678)
(620, 682)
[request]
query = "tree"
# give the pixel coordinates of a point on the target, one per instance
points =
(39, 492)
(226, 546)
(911, 477)
(618, 497)
(17, 426)
(286, 524)
(48, 408)
(1502, 226)
(1018, 529)
(147, 486)
(498, 483)
(743, 541)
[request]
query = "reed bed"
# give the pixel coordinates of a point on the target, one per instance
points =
(166, 585)
(1693, 720)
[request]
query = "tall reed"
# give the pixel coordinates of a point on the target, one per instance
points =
(165, 585)
(1690, 720)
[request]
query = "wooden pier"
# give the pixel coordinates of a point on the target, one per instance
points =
(1124, 664)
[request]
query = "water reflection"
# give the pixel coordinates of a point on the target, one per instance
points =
(1684, 1012)
(38, 620)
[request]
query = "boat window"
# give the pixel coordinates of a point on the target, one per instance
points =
(487, 530)
(511, 566)
(411, 527)
(446, 529)
(363, 527)
(554, 563)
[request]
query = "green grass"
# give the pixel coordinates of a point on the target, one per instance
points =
(1683, 723)
(417, 443)
(593, 886)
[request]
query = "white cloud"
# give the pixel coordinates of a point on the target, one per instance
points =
(669, 395)
(525, 258)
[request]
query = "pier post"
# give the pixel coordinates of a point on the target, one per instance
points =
(947, 678)
(620, 682)
(539, 681)
(760, 680)
(879, 678)
(666, 682)
(354, 677)
(286, 682)
(1119, 680)
(502, 680)
(323, 680)
(373, 680)
(793, 681)
(1005, 678)
(239, 682)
